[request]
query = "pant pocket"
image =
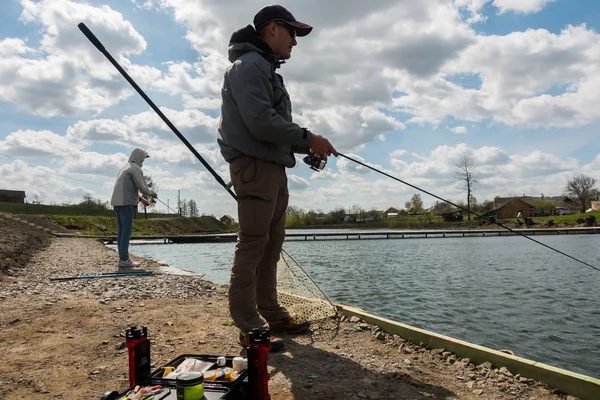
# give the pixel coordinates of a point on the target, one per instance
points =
(255, 214)
(244, 169)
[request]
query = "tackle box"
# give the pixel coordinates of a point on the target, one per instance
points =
(213, 390)
(157, 379)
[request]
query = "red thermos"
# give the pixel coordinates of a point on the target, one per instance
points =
(138, 347)
(258, 354)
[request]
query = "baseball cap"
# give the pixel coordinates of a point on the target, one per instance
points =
(275, 12)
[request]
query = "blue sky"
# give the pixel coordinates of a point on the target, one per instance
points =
(406, 86)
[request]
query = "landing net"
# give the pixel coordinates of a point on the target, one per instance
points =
(299, 294)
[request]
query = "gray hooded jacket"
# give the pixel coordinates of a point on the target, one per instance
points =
(130, 180)
(256, 114)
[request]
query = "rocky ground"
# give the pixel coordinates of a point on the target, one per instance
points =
(65, 339)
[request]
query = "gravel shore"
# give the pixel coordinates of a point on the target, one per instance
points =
(65, 339)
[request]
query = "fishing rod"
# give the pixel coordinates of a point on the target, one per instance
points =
(311, 162)
(151, 200)
(103, 275)
(92, 38)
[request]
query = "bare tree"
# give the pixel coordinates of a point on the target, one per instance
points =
(291, 210)
(184, 207)
(583, 189)
(464, 172)
(193, 208)
(36, 199)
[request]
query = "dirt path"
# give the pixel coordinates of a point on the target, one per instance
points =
(65, 340)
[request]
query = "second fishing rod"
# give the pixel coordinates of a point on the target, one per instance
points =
(493, 221)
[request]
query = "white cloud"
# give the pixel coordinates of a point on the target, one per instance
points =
(100, 166)
(520, 6)
(348, 127)
(43, 182)
(147, 129)
(143, 4)
(12, 46)
(530, 79)
(31, 143)
(107, 131)
(297, 183)
(67, 75)
(459, 130)
(498, 173)
(201, 78)
(397, 153)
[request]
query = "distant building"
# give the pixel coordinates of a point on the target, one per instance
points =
(354, 215)
(391, 213)
(227, 220)
(595, 205)
(513, 207)
(453, 216)
(543, 205)
(12, 196)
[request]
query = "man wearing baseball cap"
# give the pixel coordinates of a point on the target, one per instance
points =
(258, 139)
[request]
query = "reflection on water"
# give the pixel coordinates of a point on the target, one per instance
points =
(501, 292)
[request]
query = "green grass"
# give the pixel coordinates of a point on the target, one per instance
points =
(104, 222)
(107, 226)
(42, 209)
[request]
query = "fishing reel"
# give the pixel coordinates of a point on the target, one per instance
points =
(315, 162)
(151, 200)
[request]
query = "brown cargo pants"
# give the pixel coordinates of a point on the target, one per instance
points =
(262, 192)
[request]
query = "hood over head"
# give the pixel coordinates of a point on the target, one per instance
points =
(246, 39)
(138, 156)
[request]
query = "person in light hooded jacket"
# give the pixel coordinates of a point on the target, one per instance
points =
(125, 198)
(258, 139)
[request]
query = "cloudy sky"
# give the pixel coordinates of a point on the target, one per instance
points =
(408, 86)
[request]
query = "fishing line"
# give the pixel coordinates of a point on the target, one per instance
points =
(464, 209)
(167, 205)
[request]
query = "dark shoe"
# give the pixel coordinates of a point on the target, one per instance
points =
(277, 344)
(289, 325)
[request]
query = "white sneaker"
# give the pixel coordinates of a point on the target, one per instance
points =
(128, 264)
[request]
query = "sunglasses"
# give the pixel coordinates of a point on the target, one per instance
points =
(291, 31)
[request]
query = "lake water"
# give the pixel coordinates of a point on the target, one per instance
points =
(499, 292)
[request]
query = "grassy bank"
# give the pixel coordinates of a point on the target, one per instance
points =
(102, 226)
(43, 209)
(103, 222)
